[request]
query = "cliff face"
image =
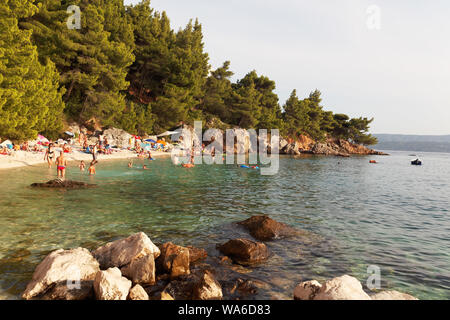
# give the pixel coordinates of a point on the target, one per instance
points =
(332, 147)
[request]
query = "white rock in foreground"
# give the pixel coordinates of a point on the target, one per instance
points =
(341, 288)
(392, 295)
(138, 293)
(110, 285)
(62, 267)
(121, 252)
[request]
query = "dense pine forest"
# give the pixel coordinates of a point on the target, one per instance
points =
(126, 67)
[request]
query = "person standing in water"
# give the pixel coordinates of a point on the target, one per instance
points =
(92, 169)
(49, 154)
(61, 164)
(82, 165)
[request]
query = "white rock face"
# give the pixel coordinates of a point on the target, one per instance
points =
(208, 288)
(118, 137)
(138, 293)
(340, 288)
(392, 295)
(121, 252)
(110, 285)
(64, 270)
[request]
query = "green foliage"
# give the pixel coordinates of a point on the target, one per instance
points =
(30, 101)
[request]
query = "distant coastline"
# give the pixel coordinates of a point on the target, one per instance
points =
(413, 143)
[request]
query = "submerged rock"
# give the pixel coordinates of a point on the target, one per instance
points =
(244, 251)
(138, 293)
(122, 252)
(340, 288)
(173, 260)
(69, 275)
(264, 228)
(392, 295)
(63, 184)
(110, 285)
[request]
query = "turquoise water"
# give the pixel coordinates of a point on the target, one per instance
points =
(391, 214)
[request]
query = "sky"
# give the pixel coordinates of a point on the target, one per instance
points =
(389, 60)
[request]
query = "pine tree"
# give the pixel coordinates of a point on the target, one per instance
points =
(29, 98)
(92, 62)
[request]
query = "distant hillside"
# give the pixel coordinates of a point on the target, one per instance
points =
(413, 143)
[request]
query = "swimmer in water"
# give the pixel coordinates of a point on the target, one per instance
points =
(82, 165)
(130, 164)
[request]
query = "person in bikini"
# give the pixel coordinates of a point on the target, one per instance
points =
(49, 154)
(61, 164)
(82, 165)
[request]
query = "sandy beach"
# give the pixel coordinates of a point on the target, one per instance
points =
(24, 158)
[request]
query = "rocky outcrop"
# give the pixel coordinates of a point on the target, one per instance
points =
(110, 285)
(64, 274)
(118, 137)
(138, 293)
(63, 184)
(392, 295)
(141, 270)
(291, 149)
(174, 260)
(207, 288)
(122, 252)
(264, 228)
(244, 251)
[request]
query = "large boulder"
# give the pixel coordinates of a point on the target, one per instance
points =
(207, 288)
(110, 285)
(174, 260)
(244, 251)
(118, 137)
(340, 288)
(264, 228)
(138, 293)
(63, 184)
(141, 270)
(392, 295)
(121, 252)
(64, 274)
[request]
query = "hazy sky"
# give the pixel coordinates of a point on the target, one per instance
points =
(399, 74)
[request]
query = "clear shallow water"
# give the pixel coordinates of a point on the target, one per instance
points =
(391, 214)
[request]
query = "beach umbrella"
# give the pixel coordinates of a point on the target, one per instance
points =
(150, 140)
(69, 133)
(168, 133)
(161, 142)
(41, 138)
(5, 143)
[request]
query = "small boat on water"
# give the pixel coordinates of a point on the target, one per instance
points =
(416, 162)
(373, 161)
